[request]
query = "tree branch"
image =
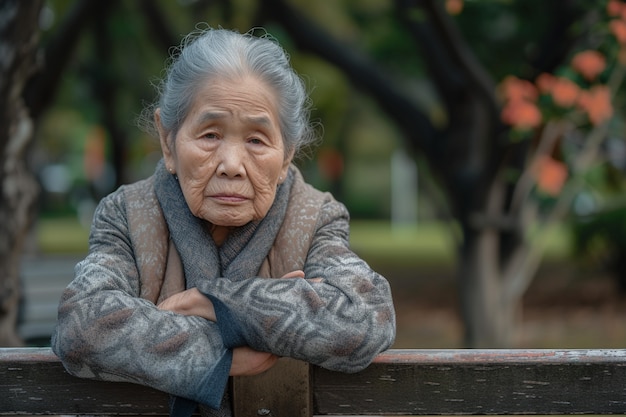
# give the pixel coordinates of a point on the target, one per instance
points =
(42, 88)
(363, 73)
(470, 147)
(158, 24)
(454, 69)
(558, 39)
(105, 88)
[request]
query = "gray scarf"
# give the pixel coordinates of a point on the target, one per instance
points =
(242, 253)
(239, 257)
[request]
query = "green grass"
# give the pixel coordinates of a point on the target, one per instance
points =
(378, 241)
(62, 236)
(423, 244)
(373, 239)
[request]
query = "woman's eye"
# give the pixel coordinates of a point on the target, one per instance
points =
(255, 141)
(210, 135)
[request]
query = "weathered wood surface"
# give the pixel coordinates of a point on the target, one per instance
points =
(409, 382)
(282, 391)
(479, 382)
(33, 381)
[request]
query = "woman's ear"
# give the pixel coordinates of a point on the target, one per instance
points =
(166, 146)
(285, 168)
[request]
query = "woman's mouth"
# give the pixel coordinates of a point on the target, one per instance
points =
(229, 198)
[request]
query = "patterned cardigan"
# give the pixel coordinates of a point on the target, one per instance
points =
(109, 327)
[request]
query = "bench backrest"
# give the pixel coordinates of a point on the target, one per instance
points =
(409, 382)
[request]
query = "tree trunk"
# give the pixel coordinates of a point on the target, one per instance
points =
(18, 189)
(105, 90)
(490, 319)
(489, 307)
(495, 263)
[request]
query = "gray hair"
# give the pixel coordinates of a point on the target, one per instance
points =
(209, 53)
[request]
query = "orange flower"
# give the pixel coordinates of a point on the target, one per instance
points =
(330, 163)
(521, 114)
(597, 104)
(589, 63)
(454, 7)
(514, 89)
(545, 82)
(550, 175)
(618, 29)
(95, 153)
(565, 92)
(614, 8)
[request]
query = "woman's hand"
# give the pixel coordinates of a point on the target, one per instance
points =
(300, 274)
(190, 302)
(294, 274)
(247, 361)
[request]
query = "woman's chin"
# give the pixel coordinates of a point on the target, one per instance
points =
(227, 221)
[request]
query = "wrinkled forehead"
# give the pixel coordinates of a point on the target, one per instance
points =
(221, 97)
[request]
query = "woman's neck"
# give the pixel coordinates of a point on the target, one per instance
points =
(219, 233)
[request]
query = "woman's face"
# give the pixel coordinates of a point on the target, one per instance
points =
(228, 153)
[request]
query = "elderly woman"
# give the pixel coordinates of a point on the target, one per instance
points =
(224, 259)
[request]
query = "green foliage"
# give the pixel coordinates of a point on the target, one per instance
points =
(504, 34)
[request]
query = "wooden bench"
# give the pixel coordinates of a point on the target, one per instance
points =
(399, 382)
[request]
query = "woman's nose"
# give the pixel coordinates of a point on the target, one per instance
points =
(230, 160)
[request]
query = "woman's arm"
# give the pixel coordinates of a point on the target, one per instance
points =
(106, 331)
(192, 302)
(339, 317)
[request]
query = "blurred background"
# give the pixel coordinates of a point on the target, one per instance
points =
(478, 145)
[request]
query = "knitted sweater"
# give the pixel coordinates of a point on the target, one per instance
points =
(109, 327)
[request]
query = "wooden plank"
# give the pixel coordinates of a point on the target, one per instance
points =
(33, 381)
(282, 391)
(478, 382)
(410, 382)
